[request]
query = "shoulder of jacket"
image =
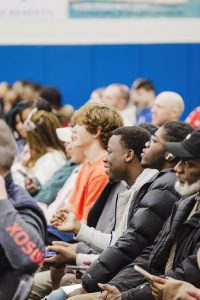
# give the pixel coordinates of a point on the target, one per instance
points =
(164, 178)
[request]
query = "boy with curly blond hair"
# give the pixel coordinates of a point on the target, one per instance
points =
(93, 125)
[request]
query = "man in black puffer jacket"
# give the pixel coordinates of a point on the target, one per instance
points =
(148, 212)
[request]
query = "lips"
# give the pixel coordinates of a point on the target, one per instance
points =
(143, 153)
(181, 181)
(107, 170)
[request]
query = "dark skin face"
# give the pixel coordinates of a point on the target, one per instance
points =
(154, 152)
(117, 160)
(188, 170)
(114, 161)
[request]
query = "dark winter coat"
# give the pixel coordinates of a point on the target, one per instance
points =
(149, 210)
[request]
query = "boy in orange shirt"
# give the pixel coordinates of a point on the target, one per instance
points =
(93, 126)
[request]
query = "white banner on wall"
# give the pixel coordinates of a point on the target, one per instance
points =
(67, 22)
(32, 9)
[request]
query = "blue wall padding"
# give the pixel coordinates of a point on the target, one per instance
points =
(77, 70)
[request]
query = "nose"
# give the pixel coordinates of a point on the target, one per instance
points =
(179, 167)
(147, 144)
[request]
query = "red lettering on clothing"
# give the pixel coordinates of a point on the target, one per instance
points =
(28, 247)
(13, 229)
(21, 238)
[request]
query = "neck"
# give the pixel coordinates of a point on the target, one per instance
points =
(133, 174)
(94, 152)
(167, 165)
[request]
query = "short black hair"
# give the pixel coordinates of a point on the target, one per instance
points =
(176, 131)
(149, 127)
(52, 95)
(133, 137)
(144, 84)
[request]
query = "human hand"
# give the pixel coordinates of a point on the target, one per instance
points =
(64, 220)
(64, 254)
(31, 185)
(87, 262)
(157, 285)
(3, 191)
(77, 292)
(110, 292)
(194, 294)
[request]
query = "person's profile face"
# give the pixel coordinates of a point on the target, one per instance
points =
(81, 136)
(188, 171)
(24, 114)
(161, 112)
(20, 127)
(154, 151)
(114, 161)
(139, 97)
(110, 96)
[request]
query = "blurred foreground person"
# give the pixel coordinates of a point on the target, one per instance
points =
(22, 228)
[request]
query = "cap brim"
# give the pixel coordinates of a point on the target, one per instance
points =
(64, 134)
(178, 150)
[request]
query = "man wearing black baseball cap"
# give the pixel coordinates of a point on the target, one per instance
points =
(188, 168)
(188, 148)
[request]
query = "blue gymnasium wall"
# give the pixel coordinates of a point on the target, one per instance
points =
(77, 70)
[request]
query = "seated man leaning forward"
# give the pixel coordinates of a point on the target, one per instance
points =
(22, 226)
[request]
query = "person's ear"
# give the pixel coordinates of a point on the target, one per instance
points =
(169, 156)
(129, 155)
(97, 134)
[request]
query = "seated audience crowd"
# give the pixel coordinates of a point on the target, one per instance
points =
(102, 202)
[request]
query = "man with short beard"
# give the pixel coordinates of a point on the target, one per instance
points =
(174, 252)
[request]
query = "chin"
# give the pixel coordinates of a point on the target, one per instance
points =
(185, 189)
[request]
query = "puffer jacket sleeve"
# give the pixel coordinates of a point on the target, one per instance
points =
(144, 225)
